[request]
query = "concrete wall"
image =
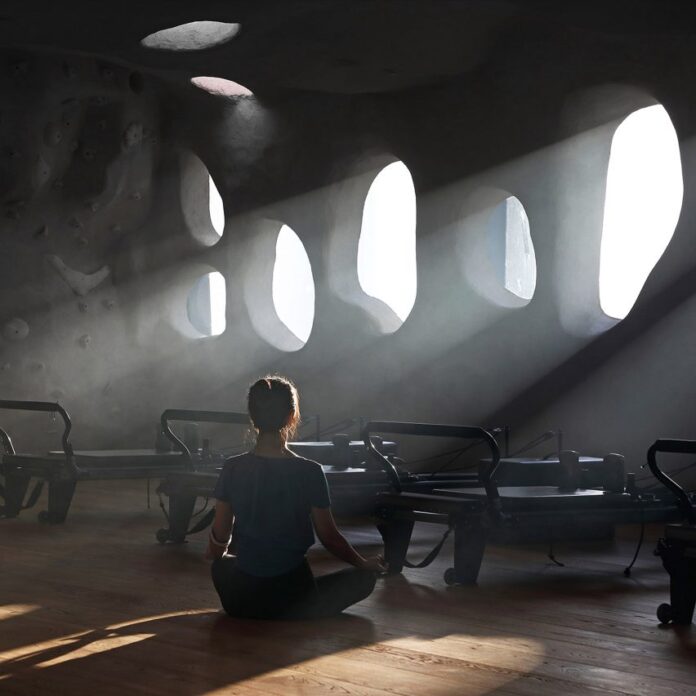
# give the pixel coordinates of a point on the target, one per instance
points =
(124, 188)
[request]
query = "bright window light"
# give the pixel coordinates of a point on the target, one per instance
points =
(206, 304)
(293, 285)
(387, 245)
(512, 250)
(642, 205)
(221, 87)
(217, 209)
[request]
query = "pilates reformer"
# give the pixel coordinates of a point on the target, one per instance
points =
(352, 486)
(559, 467)
(473, 513)
(63, 469)
(677, 548)
(354, 479)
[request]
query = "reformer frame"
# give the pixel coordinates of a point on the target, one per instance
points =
(62, 470)
(471, 513)
(677, 548)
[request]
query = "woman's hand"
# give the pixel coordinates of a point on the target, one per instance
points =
(375, 564)
(220, 530)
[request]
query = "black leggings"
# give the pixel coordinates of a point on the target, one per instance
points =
(294, 595)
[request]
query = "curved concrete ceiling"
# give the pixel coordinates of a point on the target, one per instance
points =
(342, 46)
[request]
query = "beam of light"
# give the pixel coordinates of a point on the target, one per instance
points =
(293, 285)
(387, 245)
(84, 643)
(159, 617)
(95, 647)
(216, 207)
(32, 650)
(12, 611)
(484, 670)
(643, 201)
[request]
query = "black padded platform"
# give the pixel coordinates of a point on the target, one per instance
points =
(63, 469)
(339, 452)
(473, 512)
(99, 464)
(353, 488)
(532, 471)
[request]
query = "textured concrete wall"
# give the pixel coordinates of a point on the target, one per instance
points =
(102, 175)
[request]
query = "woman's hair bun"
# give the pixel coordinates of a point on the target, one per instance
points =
(274, 404)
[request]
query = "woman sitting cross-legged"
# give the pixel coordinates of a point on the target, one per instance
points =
(273, 497)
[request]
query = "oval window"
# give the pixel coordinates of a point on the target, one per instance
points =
(511, 248)
(293, 285)
(641, 208)
(387, 244)
(216, 207)
(206, 304)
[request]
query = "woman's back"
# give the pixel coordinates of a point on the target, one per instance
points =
(271, 499)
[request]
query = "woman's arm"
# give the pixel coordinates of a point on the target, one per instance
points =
(220, 530)
(338, 545)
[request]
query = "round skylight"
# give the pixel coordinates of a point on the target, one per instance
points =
(193, 36)
(219, 86)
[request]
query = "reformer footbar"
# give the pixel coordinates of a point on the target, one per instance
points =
(677, 548)
(181, 505)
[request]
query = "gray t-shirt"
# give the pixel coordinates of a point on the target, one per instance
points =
(271, 500)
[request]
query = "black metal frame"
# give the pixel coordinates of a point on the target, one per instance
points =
(677, 548)
(62, 477)
(6, 442)
(191, 416)
(399, 511)
(182, 495)
(60, 489)
(464, 432)
(472, 515)
(44, 407)
(673, 447)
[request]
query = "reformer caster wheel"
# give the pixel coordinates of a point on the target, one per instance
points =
(665, 613)
(450, 577)
(162, 536)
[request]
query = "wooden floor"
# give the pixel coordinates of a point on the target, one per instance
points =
(98, 607)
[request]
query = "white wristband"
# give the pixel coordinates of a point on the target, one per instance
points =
(215, 542)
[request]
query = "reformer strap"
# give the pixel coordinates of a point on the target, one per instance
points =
(34, 495)
(31, 500)
(204, 522)
(433, 554)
